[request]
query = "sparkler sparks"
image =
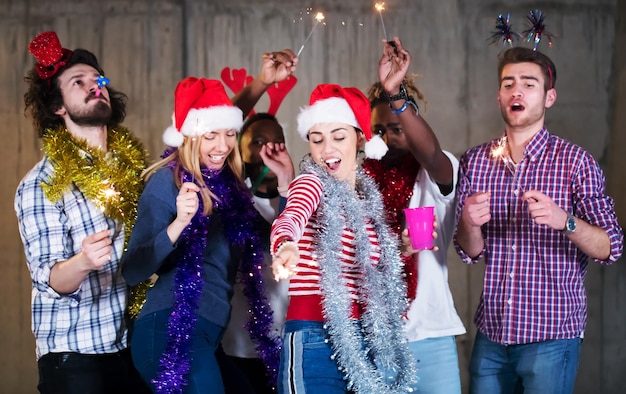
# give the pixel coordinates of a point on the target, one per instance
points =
(319, 17)
(380, 7)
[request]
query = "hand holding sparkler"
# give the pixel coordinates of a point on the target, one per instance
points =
(319, 17)
(278, 66)
(285, 260)
(393, 66)
(96, 250)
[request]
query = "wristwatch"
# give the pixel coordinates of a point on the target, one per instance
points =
(570, 224)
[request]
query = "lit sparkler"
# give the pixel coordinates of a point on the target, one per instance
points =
(500, 151)
(319, 17)
(380, 7)
(108, 194)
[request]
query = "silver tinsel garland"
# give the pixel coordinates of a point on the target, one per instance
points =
(372, 351)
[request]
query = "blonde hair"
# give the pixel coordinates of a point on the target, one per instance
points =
(376, 93)
(187, 157)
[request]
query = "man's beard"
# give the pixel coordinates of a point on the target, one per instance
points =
(99, 115)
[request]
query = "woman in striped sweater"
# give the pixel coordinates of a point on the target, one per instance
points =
(343, 330)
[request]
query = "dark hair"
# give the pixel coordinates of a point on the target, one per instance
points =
(255, 118)
(527, 55)
(376, 93)
(43, 97)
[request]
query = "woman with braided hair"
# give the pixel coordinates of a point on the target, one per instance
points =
(416, 172)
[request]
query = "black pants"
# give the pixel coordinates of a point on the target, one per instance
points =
(75, 373)
(242, 375)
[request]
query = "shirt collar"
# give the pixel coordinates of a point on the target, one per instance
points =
(537, 144)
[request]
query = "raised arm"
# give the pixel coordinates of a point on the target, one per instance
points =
(276, 67)
(392, 69)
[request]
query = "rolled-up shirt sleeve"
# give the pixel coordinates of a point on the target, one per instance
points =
(45, 230)
(592, 205)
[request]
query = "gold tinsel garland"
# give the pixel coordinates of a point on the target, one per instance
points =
(111, 180)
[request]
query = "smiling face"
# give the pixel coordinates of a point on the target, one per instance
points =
(522, 97)
(78, 87)
(215, 146)
(334, 146)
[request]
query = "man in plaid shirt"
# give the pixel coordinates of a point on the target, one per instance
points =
(73, 248)
(533, 205)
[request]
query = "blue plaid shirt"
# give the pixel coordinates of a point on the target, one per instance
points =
(533, 287)
(90, 320)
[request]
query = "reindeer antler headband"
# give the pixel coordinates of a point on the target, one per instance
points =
(237, 79)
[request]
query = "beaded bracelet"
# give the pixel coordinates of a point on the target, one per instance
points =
(404, 107)
(282, 246)
(403, 95)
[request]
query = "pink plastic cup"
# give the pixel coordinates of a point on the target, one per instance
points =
(419, 221)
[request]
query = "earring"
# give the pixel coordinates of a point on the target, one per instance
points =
(360, 156)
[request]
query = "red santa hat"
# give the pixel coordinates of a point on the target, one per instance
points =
(334, 104)
(200, 105)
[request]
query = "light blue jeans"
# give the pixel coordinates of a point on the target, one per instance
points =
(437, 365)
(547, 367)
(305, 363)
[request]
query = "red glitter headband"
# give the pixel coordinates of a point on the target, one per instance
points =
(551, 79)
(50, 55)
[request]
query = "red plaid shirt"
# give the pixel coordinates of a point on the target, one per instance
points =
(533, 288)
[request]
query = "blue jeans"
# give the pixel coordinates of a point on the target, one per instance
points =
(437, 365)
(150, 338)
(305, 364)
(547, 367)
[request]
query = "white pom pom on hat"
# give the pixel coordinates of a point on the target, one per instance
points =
(330, 103)
(200, 105)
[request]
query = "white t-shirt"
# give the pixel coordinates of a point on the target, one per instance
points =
(432, 314)
(236, 341)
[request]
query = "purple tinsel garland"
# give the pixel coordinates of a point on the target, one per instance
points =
(239, 218)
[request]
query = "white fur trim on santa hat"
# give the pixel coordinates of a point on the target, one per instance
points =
(172, 137)
(375, 148)
(202, 120)
(330, 110)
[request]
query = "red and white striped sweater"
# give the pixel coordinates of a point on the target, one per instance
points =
(298, 222)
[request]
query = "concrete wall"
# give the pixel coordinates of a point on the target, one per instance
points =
(147, 46)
